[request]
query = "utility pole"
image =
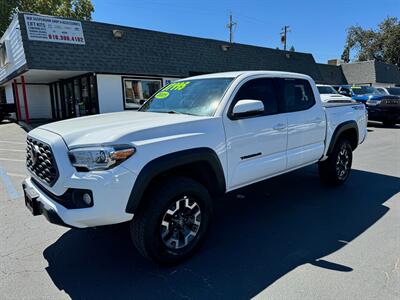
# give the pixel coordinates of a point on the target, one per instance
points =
(230, 26)
(284, 33)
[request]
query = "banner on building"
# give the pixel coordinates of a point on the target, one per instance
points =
(49, 29)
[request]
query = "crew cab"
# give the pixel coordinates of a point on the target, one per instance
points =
(329, 94)
(381, 107)
(162, 167)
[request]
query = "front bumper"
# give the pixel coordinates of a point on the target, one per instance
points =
(110, 190)
(383, 114)
(40, 208)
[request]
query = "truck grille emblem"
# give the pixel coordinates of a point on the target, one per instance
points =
(34, 154)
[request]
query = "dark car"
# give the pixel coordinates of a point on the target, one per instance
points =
(390, 90)
(6, 109)
(381, 107)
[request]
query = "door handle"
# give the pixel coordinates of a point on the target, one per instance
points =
(279, 126)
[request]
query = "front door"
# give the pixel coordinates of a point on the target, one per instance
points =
(256, 146)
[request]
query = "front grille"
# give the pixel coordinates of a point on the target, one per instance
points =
(390, 101)
(40, 161)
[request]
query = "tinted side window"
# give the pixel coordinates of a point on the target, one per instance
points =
(262, 89)
(298, 95)
(346, 90)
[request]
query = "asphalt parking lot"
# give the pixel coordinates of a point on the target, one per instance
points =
(285, 238)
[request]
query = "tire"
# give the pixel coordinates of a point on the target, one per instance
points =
(389, 123)
(335, 170)
(153, 230)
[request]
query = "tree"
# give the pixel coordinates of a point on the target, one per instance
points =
(75, 9)
(6, 10)
(382, 44)
(292, 49)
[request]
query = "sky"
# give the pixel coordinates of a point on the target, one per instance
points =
(317, 27)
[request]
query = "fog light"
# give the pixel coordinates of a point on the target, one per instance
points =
(87, 199)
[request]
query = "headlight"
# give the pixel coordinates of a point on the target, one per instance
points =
(373, 102)
(101, 157)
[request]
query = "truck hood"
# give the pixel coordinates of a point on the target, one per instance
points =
(119, 127)
(333, 97)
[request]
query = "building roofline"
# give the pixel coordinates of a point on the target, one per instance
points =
(169, 33)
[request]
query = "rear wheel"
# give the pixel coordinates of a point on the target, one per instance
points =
(173, 220)
(335, 170)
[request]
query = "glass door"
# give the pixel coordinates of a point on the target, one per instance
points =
(69, 98)
(80, 96)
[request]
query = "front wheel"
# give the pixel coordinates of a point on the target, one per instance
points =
(335, 170)
(173, 220)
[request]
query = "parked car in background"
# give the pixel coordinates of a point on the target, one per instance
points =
(329, 94)
(6, 109)
(381, 107)
(390, 91)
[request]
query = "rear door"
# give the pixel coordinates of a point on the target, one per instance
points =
(306, 123)
(256, 146)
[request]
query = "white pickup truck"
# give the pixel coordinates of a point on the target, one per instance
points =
(196, 139)
(329, 94)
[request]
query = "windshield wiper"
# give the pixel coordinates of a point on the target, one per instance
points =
(173, 112)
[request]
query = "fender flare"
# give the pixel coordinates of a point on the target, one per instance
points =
(339, 130)
(170, 161)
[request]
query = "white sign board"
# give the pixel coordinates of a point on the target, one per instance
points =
(49, 29)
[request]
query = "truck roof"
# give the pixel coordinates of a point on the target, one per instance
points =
(250, 73)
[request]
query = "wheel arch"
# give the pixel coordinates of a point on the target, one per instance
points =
(348, 130)
(200, 164)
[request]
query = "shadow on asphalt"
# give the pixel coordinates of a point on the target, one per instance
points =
(380, 125)
(281, 223)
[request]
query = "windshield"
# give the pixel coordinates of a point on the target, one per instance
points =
(394, 91)
(198, 97)
(361, 90)
(326, 90)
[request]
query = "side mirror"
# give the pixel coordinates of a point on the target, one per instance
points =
(247, 108)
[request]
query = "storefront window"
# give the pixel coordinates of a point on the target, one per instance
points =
(139, 90)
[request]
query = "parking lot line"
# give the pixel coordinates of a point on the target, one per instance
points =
(12, 192)
(12, 142)
(11, 159)
(12, 150)
(16, 175)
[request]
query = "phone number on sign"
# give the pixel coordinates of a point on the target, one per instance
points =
(65, 38)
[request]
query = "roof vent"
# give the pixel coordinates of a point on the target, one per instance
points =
(225, 47)
(118, 34)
